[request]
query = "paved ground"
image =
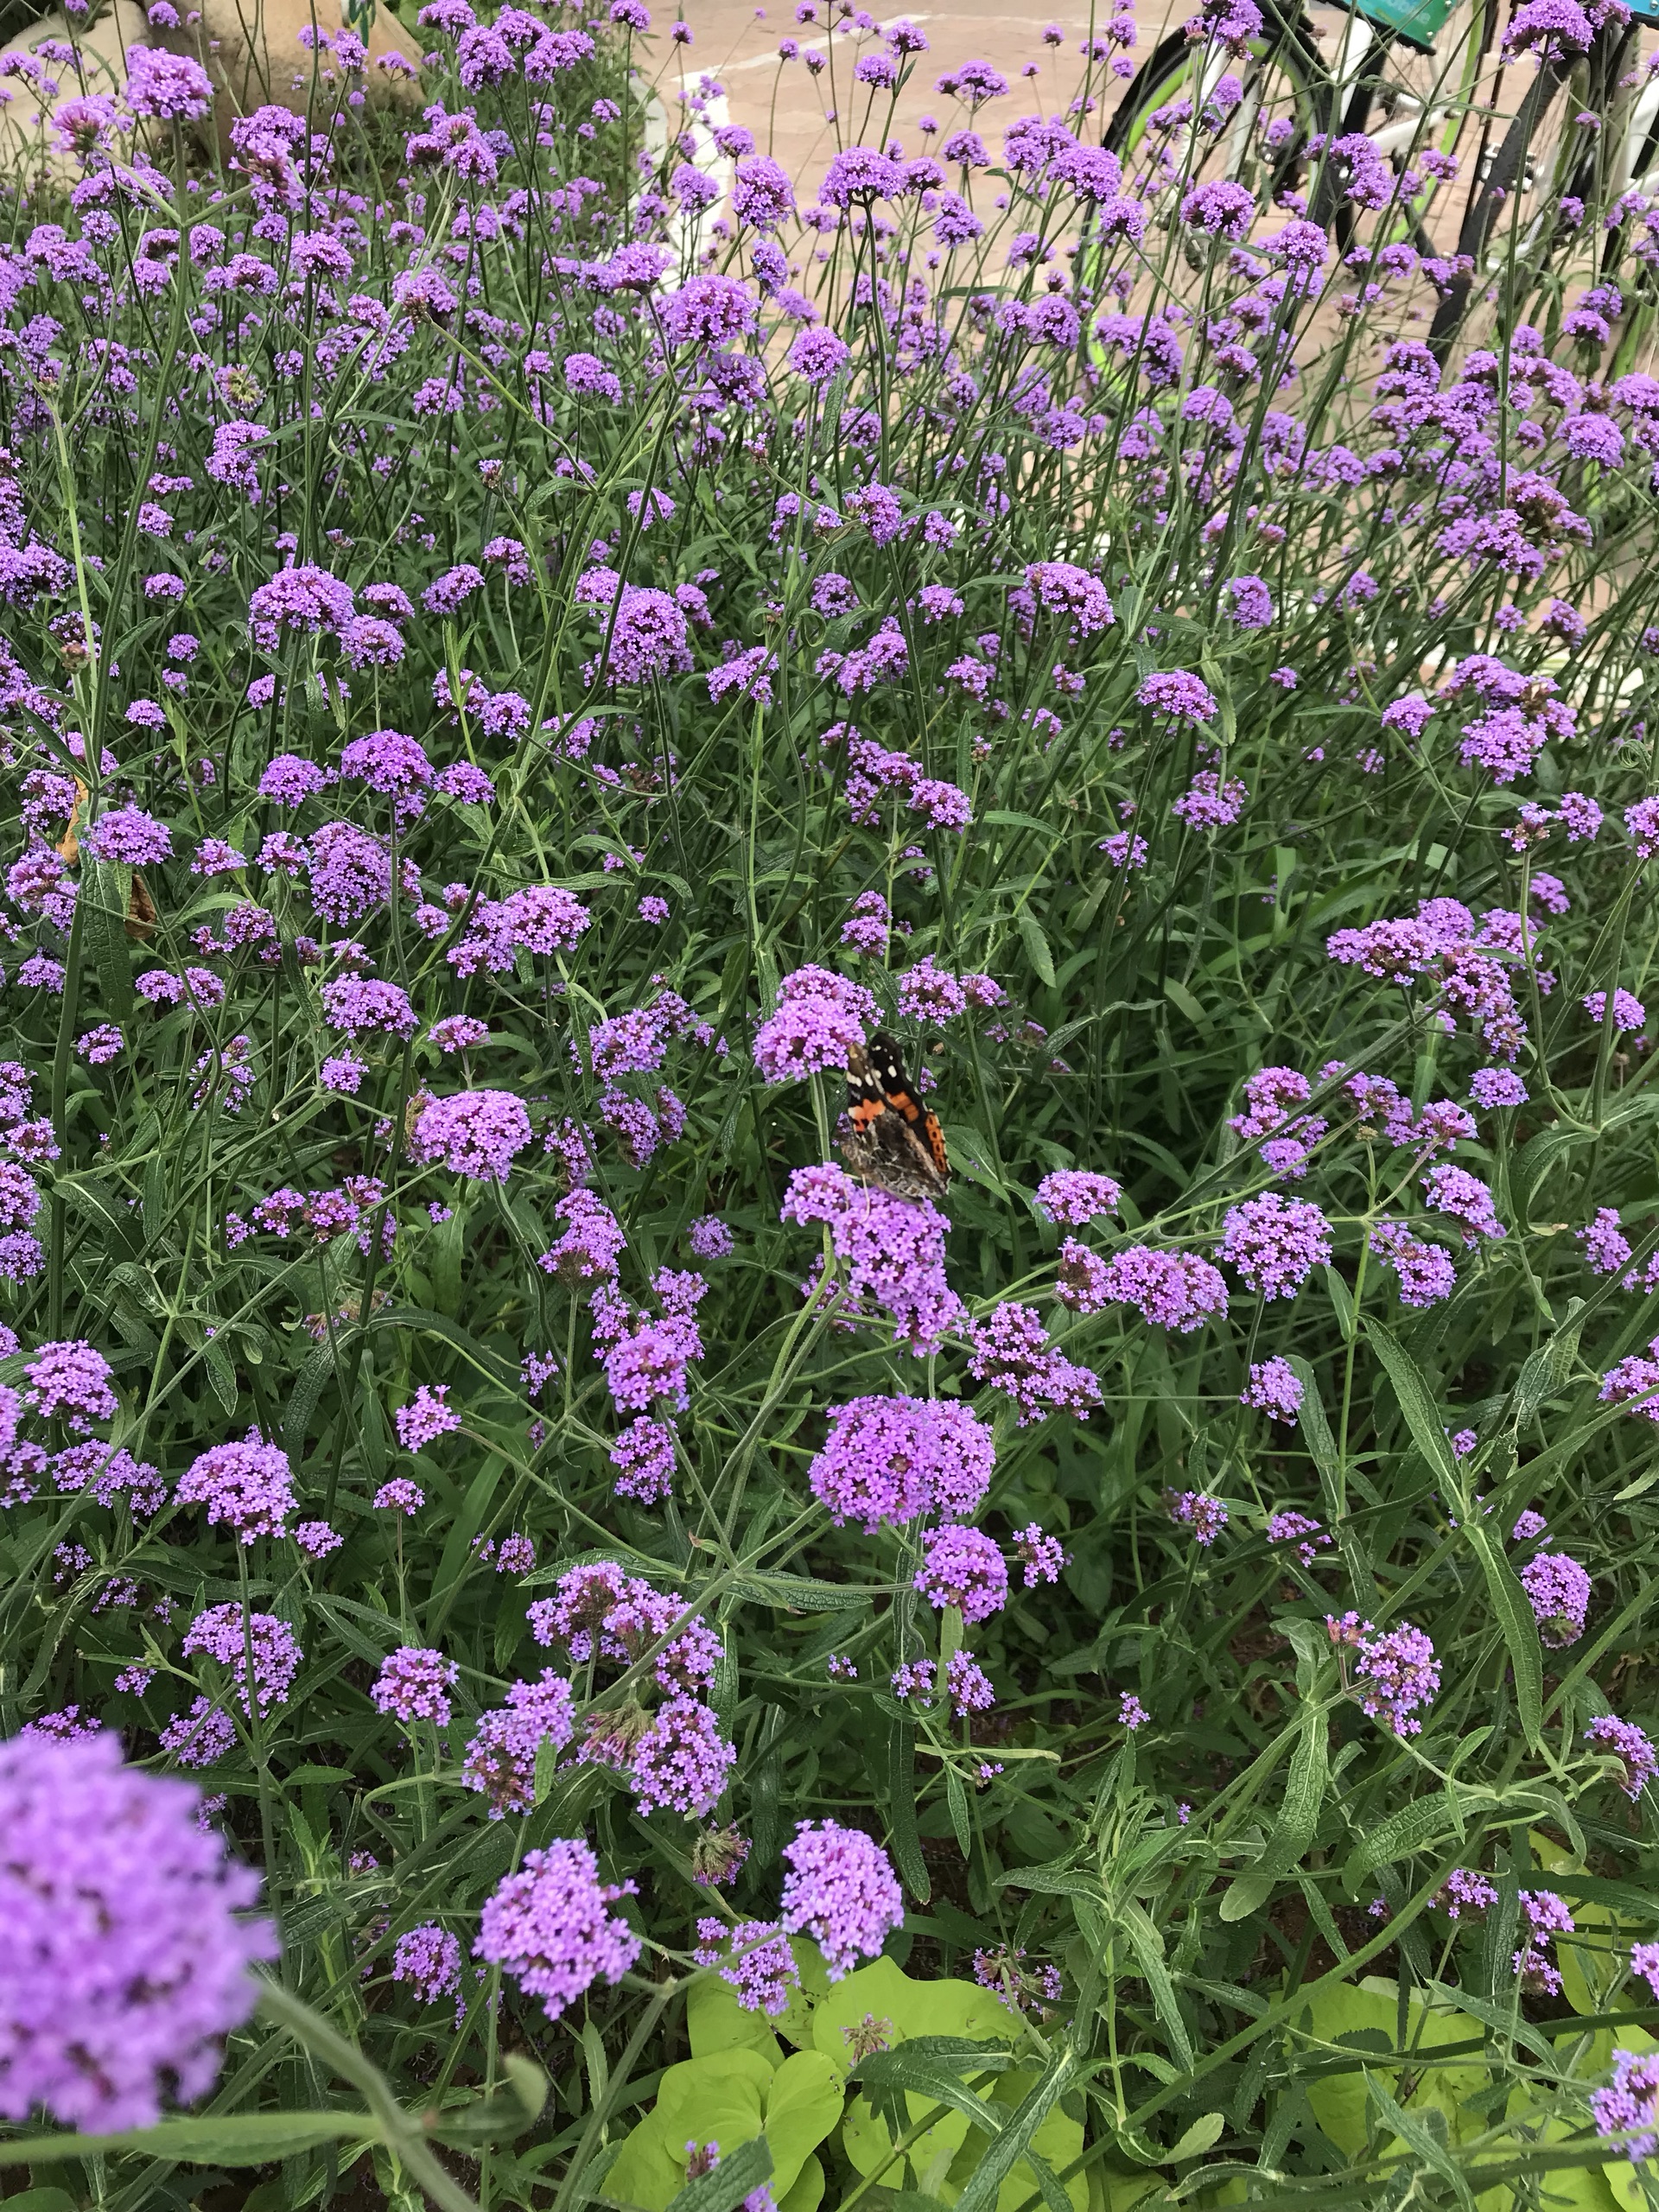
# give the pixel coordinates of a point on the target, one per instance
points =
(786, 107)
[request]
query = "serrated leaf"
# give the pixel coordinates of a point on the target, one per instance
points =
(1148, 1946)
(1414, 1827)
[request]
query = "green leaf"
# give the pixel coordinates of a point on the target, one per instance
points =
(1417, 1404)
(213, 2139)
(1149, 1948)
(1036, 945)
(802, 2104)
(529, 2082)
(105, 889)
(725, 2186)
(1519, 1624)
(105, 1204)
(1419, 2137)
(901, 1809)
(1414, 1827)
(1299, 1815)
(1204, 2131)
(981, 2193)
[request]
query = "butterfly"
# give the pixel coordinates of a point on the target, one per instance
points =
(892, 1140)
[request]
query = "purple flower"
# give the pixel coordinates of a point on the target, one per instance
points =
(500, 1759)
(1629, 2105)
(228, 1634)
(316, 1539)
(964, 1568)
(1629, 1012)
(1645, 1962)
(1630, 1745)
(1171, 1290)
(450, 593)
(458, 1032)
(169, 86)
(762, 195)
(68, 1381)
(548, 1927)
(200, 1736)
(476, 1133)
(643, 1454)
(1545, 1915)
(1010, 1351)
(290, 779)
(890, 1251)
(1204, 1515)
(428, 1959)
(359, 1004)
(682, 1761)
(1208, 804)
(301, 601)
(1251, 602)
(1274, 1388)
(127, 1963)
(968, 1685)
(1426, 1273)
(248, 1485)
(754, 1960)
(1300, 1529)
(709, 311)
(891, 1460)
(399, 1496)
(858, 175)
(1077, 1195)
(1131, 1713)
(1044, 1556)
(709, 1238)
(1275, 1242)
(1559, 1590)
(413, 1684)
(350, 871)
(1073, 592)
(1463, 1891)
(387, 761)
(820, 1017)
(128, 836)
(587, 376)
(1491, 1087)
(817, 355)
(841, 1890)
(1469, 1202)
(1398, 1673)
(427, 1416)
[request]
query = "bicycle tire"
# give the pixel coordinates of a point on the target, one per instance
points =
(1525, 133)
(1487, 203)
(1173, 58)
(1283, 74)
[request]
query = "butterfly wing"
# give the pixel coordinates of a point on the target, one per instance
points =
(893, 1140)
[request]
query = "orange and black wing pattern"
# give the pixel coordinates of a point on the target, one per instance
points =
(893, 1140)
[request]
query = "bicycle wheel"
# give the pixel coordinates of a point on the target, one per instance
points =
(1537, 206)
(1160, 132)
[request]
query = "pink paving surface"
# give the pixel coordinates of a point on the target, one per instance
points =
(789, 110)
